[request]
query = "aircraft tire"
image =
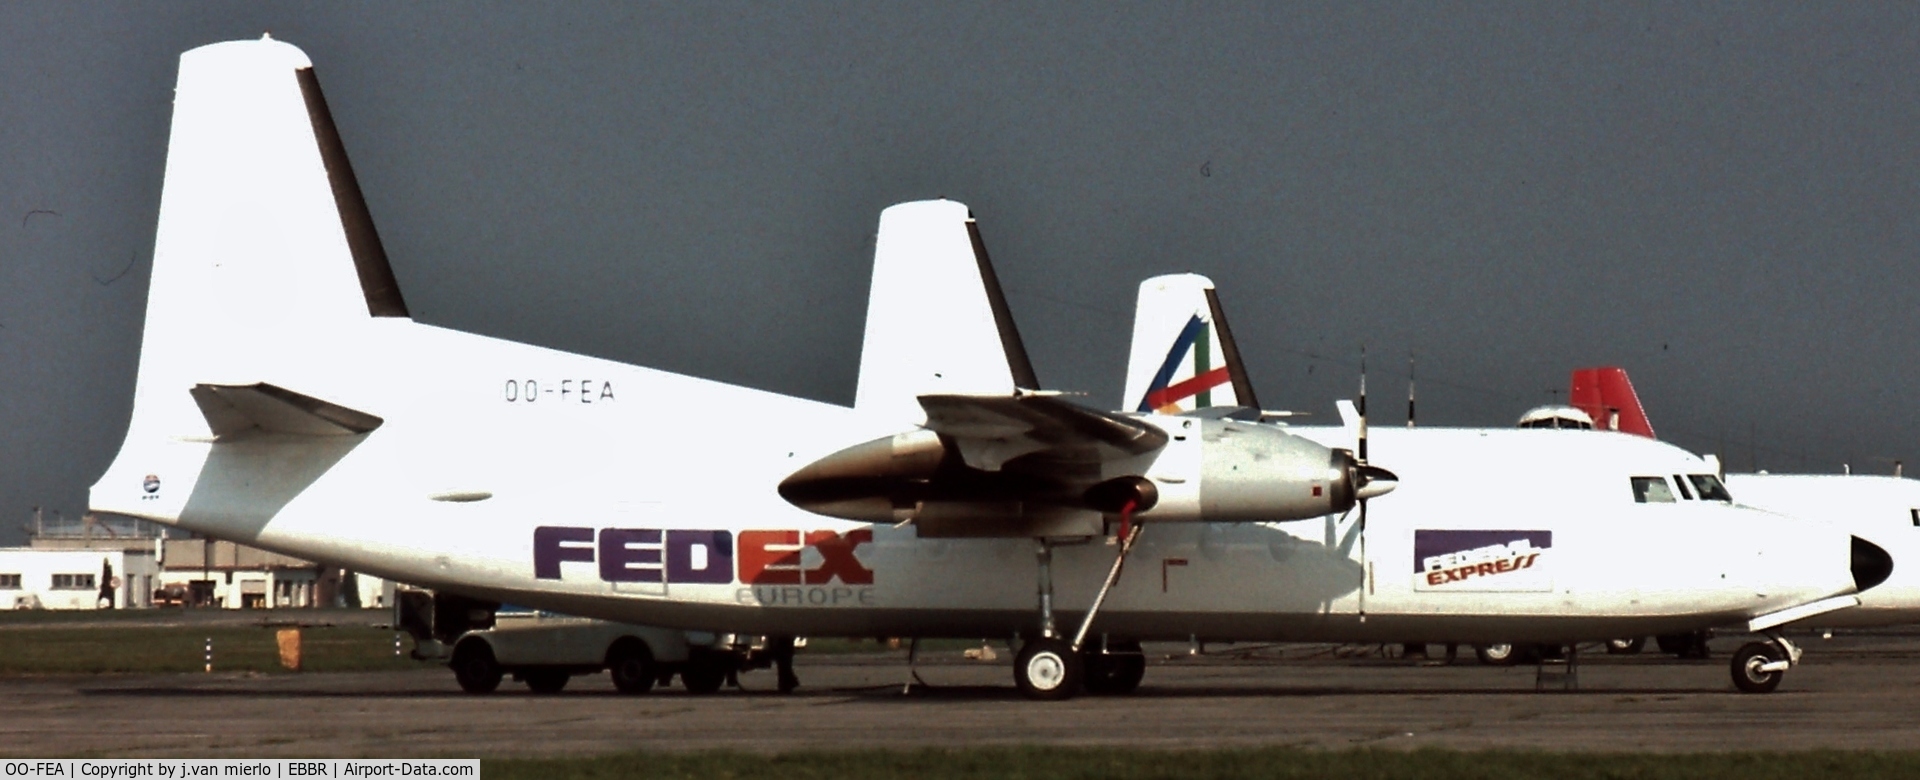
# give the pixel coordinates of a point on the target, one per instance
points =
(631, 666)
(475, 668)
(1114, 673)
(702, 676)
(1746, 668)
(545, 681)
(1626, 646)
(1049, 670)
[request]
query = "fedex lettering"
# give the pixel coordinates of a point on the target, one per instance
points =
(702, 556)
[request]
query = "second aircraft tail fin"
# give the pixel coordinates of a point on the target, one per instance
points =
(1607, 396)
(1183, 356)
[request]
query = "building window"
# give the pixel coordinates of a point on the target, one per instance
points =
(73, 582)
(9, 582)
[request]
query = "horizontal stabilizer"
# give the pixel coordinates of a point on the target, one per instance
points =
(236, 410)
(991, 430)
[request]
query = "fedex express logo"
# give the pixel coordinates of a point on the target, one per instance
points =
(1481, 560)
(823, 560)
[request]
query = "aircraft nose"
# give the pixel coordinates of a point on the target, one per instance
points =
(1871, 564)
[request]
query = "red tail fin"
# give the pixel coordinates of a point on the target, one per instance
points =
(1606, 395)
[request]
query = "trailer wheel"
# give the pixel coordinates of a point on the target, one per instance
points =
(475, 668)
(545, 681)
(1499, 654)
(631, 666)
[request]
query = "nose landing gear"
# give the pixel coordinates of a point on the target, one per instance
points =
(1759, 666)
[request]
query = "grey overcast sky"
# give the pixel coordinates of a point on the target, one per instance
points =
(1720, 197)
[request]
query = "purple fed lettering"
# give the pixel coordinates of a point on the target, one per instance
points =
(553, 545)
(685, 548)
(621, 561)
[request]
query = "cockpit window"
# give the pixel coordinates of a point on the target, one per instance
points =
(1651, 490)
(1709, 487)
(1681, 484)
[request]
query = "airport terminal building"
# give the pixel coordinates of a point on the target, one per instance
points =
(130, 565)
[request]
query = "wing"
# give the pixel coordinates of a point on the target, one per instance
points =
(1027, 465)
(989, 431)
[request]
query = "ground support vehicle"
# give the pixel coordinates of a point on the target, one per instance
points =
(484, 644)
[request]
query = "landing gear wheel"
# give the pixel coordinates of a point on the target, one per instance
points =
(1118, 671)
(702, 676)
(1048, 669)
(545, 681)
(1747, 665)
(1497, 654)
(1626, 646)
(631, 667)
(475, 669)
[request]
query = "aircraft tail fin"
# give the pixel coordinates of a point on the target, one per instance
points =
(265, 247)
(937, 323)
(1183, 357)
(1607, 396)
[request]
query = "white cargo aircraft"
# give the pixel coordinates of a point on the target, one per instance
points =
(1480, 512)
(1881, 509)
(286, 399)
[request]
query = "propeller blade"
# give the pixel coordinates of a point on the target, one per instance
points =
(1410, 382)
(1361, 406)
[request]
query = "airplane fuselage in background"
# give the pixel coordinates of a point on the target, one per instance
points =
(1884, 510)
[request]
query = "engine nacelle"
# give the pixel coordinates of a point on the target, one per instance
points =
(1234, 472)
(1247, 472)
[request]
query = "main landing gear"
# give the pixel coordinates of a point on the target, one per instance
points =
(1051, 668)
(1758, 666)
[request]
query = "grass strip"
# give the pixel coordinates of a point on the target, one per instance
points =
(1014, 763)
(183, 649)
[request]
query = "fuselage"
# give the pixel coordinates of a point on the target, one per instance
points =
(532, 476)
